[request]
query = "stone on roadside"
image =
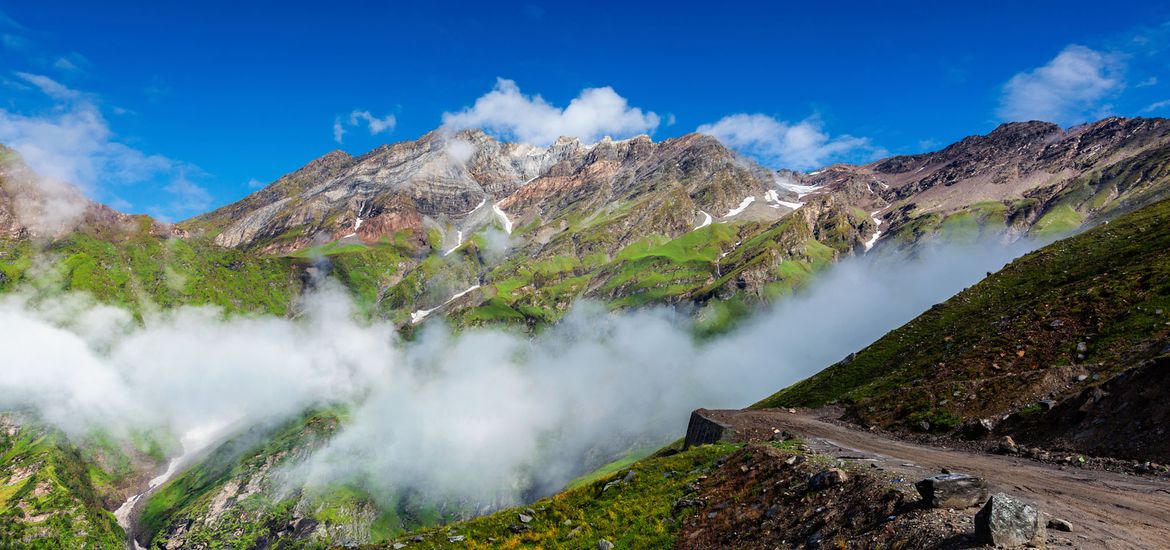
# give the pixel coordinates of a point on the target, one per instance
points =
(1010, 523)
(827, 478)
(956, 491)
(1008, 446)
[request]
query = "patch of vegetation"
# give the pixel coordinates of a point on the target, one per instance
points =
(1099, 299)
(1060, 219)
(144, 272)
(47, 499)
(246, 460)
(631, 514)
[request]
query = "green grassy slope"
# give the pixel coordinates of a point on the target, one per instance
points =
(630, 512)
(144, 271)
(238, 496)
(1098, 303)
(47, 494)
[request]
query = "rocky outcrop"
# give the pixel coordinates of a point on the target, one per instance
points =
(704, 430)
(1028, 168)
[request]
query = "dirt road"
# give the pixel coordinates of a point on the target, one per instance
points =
(1108, 510)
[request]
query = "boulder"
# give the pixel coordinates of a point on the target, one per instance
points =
(827, 478)
(604, 545)
(956, 491)
(702, 430)
(1010, 523)
(1008, 446)
(1059, 525)
(524, 518)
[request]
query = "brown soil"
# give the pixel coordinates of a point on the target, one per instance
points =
(1107, 510)
(759, 498)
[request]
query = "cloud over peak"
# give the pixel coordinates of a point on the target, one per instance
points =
(593, 114)
(363, 118)
(780, 144)
(72, 144)
(1073, 87)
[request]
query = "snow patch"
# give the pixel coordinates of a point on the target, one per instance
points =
(773, 198)
(800, 190)
(417, 316)
(503, 218)
(706, 220)
(742, 206)
(876, 234)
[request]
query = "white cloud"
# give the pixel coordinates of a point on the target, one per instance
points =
(187, 196)
(594, 113)
(50, 87)
(376, 125)
(72, 144)
(777, 143)
(254, 183)
(1157, 106)
(1073, 87)
(459, 151)
(358, 118)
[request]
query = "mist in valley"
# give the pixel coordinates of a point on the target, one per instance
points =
(482, 417)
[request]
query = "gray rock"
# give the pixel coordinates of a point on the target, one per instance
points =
(1059, 525)
(604, 545)
(952, 491)
(456, 538)
(827, 478)
(1010, 523)
(398, 546)
(630, 476)
(525, 518)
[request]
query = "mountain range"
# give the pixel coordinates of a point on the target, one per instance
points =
(529, 230)
(483, 232)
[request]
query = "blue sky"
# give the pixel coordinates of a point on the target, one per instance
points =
(161, 109)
